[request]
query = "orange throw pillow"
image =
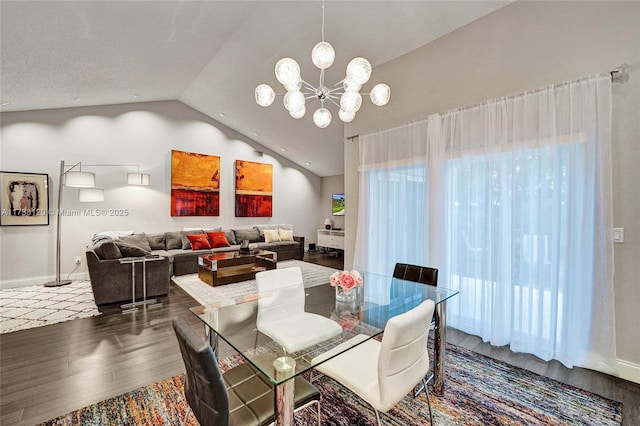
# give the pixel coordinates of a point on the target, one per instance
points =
(198, 241)
(218, 239)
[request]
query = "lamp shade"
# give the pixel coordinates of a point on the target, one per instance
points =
(80, 179)
(137, 179)
(91, 195)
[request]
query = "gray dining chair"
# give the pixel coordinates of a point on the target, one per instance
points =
(239, 396)
(383, 373)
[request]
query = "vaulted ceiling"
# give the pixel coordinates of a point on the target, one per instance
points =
(209, 55)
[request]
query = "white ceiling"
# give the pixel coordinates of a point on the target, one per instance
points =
(209, 55)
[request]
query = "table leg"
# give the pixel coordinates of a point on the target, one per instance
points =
(128, 308)
(439, 346)
(283, 404)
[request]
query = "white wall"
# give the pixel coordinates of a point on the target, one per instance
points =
(144, 134)
(523, 46)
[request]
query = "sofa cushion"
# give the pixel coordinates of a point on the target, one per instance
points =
(186, 244)
(173, 240)
(271, 236)
(218, 239)
(261, 228)
(156, 241)
(198, 241)
(130, 250)
(138, 240)
(106, 249)
(285, 234)
(115, 234)
(231, 236)
(251, 234)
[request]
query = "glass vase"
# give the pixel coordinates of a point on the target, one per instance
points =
(345, 296)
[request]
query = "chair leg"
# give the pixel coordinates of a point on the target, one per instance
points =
(377, 417)
(426, 389)
(319, 418)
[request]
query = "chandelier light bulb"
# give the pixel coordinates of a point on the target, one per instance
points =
(380, 94)
(287, 71)
(292, 87)
(323, 55)
(350, 85)
(265, 95)
(350, 101)
(294, 101)
(322, 117)
(346, 116)
(359, 70)
(298, 114)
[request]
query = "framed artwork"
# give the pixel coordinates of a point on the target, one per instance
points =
(337, 204)
(195, 184)
(254, 189)
(24, 199)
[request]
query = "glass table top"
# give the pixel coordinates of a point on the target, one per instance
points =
(373, 303)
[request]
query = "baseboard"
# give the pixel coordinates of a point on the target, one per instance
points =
(629, 371)
(27, 282)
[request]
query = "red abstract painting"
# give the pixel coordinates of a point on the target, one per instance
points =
(195, 184)
(254, 189)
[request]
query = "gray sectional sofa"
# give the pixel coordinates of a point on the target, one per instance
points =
(111, 279)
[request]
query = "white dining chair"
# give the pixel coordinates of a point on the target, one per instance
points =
(383, 373)
(281, 314)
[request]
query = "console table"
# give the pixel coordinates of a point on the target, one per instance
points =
(331, 239)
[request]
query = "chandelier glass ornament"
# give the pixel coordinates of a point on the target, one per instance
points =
(344, 94)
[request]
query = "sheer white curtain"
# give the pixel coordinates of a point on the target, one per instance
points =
(511, 200)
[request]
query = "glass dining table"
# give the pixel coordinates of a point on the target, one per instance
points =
(365, 314)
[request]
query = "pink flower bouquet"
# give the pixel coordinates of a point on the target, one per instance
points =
(345, 279)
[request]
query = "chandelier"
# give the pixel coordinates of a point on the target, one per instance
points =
(344, 94)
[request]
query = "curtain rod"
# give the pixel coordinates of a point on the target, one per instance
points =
(618, 74)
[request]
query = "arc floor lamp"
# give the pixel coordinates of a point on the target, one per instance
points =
(76, 179)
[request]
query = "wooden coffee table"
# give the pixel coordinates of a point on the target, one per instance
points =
(232, 267)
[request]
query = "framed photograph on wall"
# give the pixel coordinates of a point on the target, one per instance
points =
(24, 199)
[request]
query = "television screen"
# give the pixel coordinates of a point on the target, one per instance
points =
(337, 204)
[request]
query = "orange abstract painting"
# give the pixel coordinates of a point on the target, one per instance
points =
(254, 189)
(195, 184)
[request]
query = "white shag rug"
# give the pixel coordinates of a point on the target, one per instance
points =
(35, 306)
(205, 294)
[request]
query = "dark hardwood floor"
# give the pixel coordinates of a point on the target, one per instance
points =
(48, 371)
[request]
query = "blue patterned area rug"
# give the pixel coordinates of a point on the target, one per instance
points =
(479, 391)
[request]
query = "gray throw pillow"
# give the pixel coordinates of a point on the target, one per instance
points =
(252, 234)
(186, 244)
(130, 250)
(173, 240)
(106, 249)
(138, 240)
(231, 236)
(156, 241)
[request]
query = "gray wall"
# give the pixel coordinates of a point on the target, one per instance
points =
(144, 134)
(527, 45)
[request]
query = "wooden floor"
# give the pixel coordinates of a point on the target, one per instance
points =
(49, 371)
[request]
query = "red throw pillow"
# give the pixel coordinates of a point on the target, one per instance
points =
(218, 239)
(198, 241)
